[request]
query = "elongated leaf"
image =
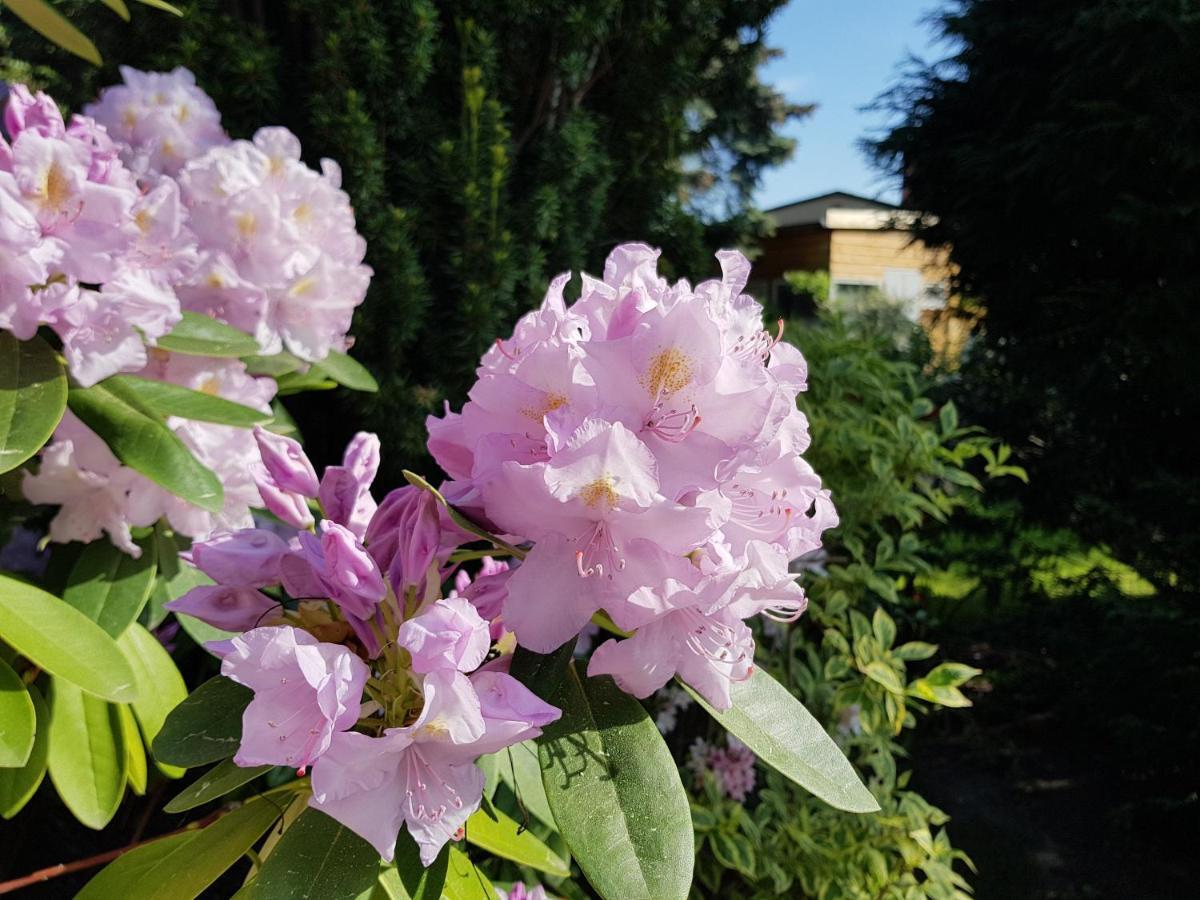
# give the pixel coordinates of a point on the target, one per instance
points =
(206, 727)
(174, 578)
(143, 442)
(163, 5)
(33, 395)
(464, 881)
(316, 859)
(785, 736)
(49, 24)
(347, 372)
(200, 335)
(216, 782)
(135, 752)
(168, 399)
(88, 761)
(18, 719)
(503, 837)
(109, 586)
(615, 792)
(419, 882)
(275, 365)
(160, 686)
(119, 7)
(17, 786)
(518, 767)
(182, 866)
(63, 641)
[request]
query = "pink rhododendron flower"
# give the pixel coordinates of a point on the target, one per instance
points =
(732, 766)
(449, 635)
(249, 557)
(305, 692)
(228, 607)
(286, 462)
(518, 891)
(646, 440)
(345, 490)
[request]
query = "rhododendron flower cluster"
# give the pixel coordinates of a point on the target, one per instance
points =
(646, 440)
(732, 766)
(115, 224)
(361, 668)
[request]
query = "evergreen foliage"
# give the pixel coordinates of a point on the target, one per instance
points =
(486, 148)
(1058, 151)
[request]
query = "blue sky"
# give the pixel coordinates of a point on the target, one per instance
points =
(839, 54)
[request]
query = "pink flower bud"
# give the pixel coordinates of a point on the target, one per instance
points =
(345, 569)
(246, 558)
(448, 635)
(287, 505)
(286, 462)
(404, 536)
(224, 607)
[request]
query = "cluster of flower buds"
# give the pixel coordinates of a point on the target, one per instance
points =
(646, 440)
(114, 225)
(361, 669)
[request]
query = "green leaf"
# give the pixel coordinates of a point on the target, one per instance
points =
(135, 753)
(278, 364)
(33, 395)
(119, 7)
(17, 786)
(615, 792)
(915, 651)
(518, 767)
(884, 628)
(183, 866)
(109, 586)
(160, 687)
(18, 719)
(948, 417)
(218, 781)
(175, 578)
(51, 25)
(142, 441)
(168, 399)
(163, 5)
(464, 881)
(88, 760)
(503, 837)
(206, 727)
(733, 851)
(200, 335)
(316, 859)
(952, 674)
(63, 641)
(882, 673)
(347, 372)
(297, 382)
(419, 882)
(784, 735)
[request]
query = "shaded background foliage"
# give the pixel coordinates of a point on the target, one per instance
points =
(1057, 151)
(486, 147)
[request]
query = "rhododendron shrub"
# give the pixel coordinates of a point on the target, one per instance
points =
(160, 285)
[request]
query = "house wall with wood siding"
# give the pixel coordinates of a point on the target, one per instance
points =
(863, 256)
(803, 249)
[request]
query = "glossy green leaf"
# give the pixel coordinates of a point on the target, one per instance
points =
(218, 781)
(63, 641)
(883, 674)
(784, 735)
(182, 866)
(88, 760)
(200, 335)
(18, 719)
(419, 882)
(316, 859)
(39, 16)
(17, 786)
(915, 650)
(168, 399)
(390, 887)
(298, 382)
(348, 372)
(463, 880)
(518, 767)
(135, 751)
(33, 395)
(142, 441)
(206, 727)
(615, 792)
(160, 687)
(109, 586)
(504, 837)
(174, 578)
